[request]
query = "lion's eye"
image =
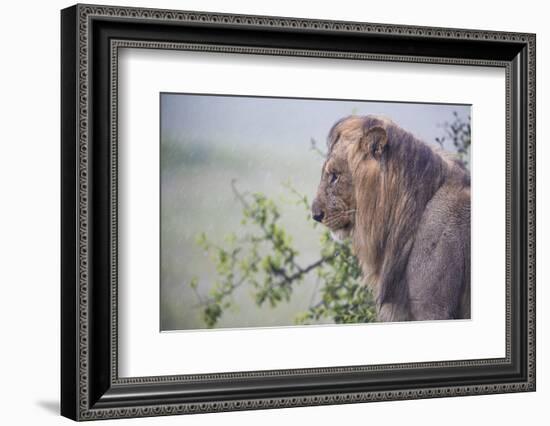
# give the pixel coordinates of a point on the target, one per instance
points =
(333, 177)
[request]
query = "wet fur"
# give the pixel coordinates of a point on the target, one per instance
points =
(409, 221)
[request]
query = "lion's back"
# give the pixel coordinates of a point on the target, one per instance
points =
(438, 271)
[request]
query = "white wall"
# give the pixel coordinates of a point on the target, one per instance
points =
(29, 225)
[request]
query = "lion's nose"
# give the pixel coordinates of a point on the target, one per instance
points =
(317, 212)
(319, 217)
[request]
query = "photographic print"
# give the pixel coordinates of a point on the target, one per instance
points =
(290, 211)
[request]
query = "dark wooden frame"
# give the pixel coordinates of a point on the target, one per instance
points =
(90, 38)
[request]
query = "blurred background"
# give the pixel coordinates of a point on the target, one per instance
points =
(208, 142)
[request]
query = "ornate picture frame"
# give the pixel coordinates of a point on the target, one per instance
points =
(91, 37)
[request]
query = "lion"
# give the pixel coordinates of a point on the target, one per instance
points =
(405, 205)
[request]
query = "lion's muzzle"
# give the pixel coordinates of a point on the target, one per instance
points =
(317, 212)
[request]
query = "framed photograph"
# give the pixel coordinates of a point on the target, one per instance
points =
(263, 212)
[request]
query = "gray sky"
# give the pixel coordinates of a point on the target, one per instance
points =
(282, 121)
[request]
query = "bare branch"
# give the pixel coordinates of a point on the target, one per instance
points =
(315, 148)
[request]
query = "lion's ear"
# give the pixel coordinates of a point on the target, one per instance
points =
(374, 142)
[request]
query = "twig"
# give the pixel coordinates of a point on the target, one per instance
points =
(316, 149)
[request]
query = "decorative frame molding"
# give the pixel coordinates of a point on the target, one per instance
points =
(91, 37)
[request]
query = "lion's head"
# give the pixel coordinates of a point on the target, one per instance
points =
(335, 204)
